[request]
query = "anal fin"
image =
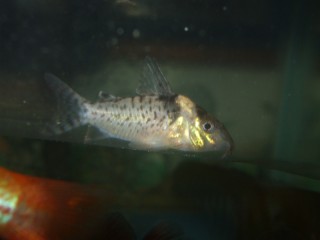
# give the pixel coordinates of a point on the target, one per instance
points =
(94, 134)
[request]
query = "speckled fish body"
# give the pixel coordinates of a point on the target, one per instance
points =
(136, 119)
(155, 119)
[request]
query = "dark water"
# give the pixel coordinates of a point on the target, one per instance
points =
(253, 64)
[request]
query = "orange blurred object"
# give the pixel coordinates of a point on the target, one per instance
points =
(33, 208)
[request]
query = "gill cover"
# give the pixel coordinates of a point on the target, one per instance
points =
(199, 138)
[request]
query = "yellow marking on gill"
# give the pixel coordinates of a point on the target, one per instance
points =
(195, 135)
(198, 135)
(178, 134)
(210, 139)
(206, 135)
(177, 128)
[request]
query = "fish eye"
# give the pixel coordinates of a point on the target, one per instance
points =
(207, 126)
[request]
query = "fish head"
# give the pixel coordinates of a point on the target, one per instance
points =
(198, 130)
(206, 133)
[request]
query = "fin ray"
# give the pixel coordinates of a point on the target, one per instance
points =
(153, 80)
(95, 134)
(71, 107)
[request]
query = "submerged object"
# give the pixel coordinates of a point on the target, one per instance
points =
(155, 119)
(33, 208)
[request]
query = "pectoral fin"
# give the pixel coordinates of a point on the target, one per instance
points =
(94, 134)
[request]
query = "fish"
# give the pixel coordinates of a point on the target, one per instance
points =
(155, 119)
(34, 208)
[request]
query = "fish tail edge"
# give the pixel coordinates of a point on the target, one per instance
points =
(71, 107)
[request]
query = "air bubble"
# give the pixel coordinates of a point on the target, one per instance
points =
(202, 33)
(111, 25)
(120, 31)
(136, 33)
(114, 41)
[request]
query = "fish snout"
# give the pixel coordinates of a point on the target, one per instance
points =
(224, 141)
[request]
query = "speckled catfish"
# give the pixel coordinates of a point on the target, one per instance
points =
(155, 119)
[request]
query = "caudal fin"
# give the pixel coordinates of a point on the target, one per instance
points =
(71, 107)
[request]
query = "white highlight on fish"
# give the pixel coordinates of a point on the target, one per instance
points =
(155, 119)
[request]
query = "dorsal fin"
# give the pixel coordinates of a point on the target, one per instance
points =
(153, 81)
(103, 96)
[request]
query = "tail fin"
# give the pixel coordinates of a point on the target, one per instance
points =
(71, 106)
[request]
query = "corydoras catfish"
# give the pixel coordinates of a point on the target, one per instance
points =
(155, 119)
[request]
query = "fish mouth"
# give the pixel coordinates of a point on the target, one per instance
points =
(229, 145)
(228, 151)
(226, 142)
